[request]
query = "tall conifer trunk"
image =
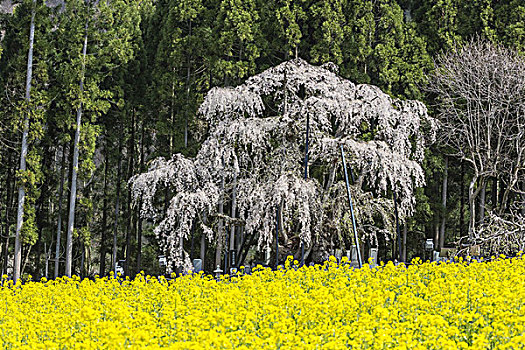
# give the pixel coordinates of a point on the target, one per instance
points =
(73, 192)
(9, 193)
(188, 76)
(139, 224)
(59, 223)
(117, 209)
(23, 153)
(131, 165)
(104, 225)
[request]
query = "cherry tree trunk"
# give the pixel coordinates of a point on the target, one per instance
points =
(233, 214)
(220, 229)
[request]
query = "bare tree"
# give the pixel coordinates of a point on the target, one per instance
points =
(480, 90)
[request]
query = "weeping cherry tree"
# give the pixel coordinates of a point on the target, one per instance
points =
(252, 162)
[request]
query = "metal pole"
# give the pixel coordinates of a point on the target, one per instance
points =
(305, 170)
(397, 226)
(351, 208)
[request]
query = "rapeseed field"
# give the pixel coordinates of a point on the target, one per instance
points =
(462, 305)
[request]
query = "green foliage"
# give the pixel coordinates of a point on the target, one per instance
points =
(288, 14)
(327, 21)
(510, 24)
(280, 23)
(236, 49)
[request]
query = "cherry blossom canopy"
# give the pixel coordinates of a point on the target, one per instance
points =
(252, 161)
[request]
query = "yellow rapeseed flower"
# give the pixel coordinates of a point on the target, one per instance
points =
(463, 305)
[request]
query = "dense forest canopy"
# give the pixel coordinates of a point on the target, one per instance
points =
(115, 85)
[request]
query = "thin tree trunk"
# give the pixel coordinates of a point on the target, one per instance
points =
(436, 233)
(505, 198)
(472, 206)
(47, 254)
(45, 192)
(523, 200)
(115, 227)
(139, 226)
(282, 231)
(501, 199)
(104, 228)
(73, 194)
(462, 202)
(188, 75)
(203, 249)
(494, 193)
(482, 196)
(82, 258)
(26, 259)
(203, 240)
(325, 196)
(180, 269)
(398, 231)
(131, 165)
(134, 229)
(172, 113)
(220, 229)
(192, 247)
(23, 153)
(139, 241)
(233, 213)
(241, 242)
(444, 204)
(248, 242)
(9, 193)
(404, 251)
(60, 196)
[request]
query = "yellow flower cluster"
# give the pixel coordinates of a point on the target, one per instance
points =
(424, 306)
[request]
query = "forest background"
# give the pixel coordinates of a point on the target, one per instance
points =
(137, 71)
